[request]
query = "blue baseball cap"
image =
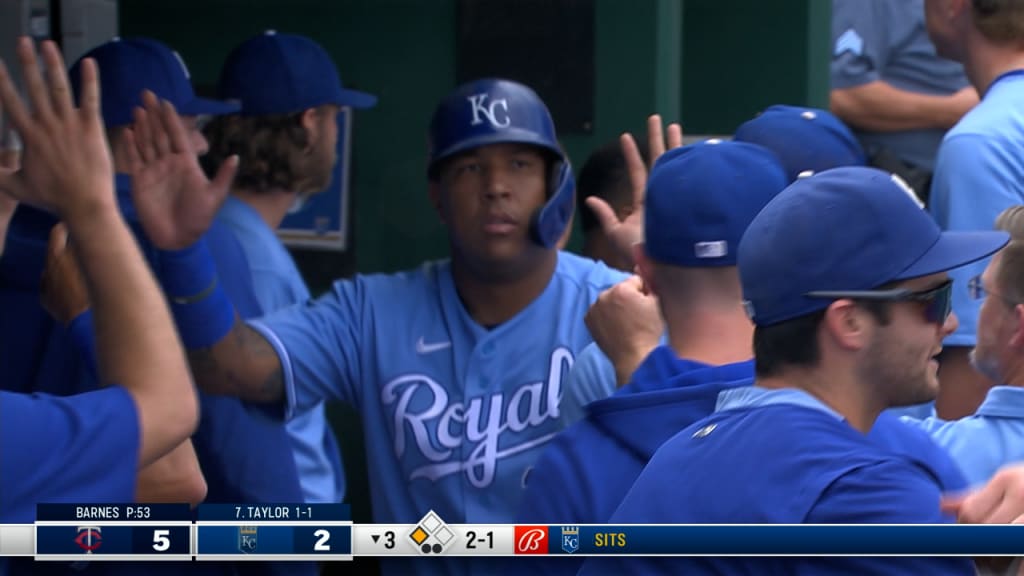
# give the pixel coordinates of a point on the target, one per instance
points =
(130, 65)
(803, 138)
(701, 198)
(274, 73)
(850, 228)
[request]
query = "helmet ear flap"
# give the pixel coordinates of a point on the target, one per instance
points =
(549, 221)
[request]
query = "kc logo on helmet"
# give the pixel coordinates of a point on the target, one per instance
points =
(531, 539)
(478, 103)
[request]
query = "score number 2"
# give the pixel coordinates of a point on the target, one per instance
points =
(322, 538)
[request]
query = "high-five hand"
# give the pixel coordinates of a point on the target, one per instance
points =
(628, 231)
(65, 166)
(174, 199)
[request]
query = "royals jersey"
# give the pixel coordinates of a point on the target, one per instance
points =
(454, 413)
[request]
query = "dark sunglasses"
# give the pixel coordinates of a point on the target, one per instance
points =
(938, 301)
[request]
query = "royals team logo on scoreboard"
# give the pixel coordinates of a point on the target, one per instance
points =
(570, 539)
(247, 539)
(431, 535)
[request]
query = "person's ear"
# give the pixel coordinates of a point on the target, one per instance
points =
(310, 120)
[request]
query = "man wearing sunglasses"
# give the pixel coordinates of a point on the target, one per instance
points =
(845, 279)
(994, 435)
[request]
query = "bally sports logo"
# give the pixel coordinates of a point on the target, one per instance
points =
(531, 539)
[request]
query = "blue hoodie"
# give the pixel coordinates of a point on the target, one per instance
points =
(583, 475)
(570, 484)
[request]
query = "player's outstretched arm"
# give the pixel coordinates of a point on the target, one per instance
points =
(175, 477)
(67, 169)
(241, 364)
(176, 204)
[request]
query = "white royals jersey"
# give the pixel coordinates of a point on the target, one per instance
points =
(454, 414)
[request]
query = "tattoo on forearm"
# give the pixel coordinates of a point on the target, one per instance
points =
(244, 364)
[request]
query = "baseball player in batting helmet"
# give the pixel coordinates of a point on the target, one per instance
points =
(456, 366)
(495, 111)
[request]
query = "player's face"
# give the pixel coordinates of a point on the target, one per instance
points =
(327, 147)
(996, 324)
(194, 130)
(316, 165)
(488, 196)
(901, 358)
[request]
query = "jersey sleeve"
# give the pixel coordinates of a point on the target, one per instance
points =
(82, 448)
(860, 42)
(889, 492)
(971, 186)
(318, 344)
(592, 378)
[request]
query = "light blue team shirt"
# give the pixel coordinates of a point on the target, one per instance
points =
(277, 284)
(454, 413)
(986, 441)
(592, 378)
(887, 40)
(980, 173)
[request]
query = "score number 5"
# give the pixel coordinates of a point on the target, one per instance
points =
(161, 540)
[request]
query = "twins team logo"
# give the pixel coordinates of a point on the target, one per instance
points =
(570, 539)
(495, 111)
(247, 539)
(531, 539)
(89, 538)
(440, 427)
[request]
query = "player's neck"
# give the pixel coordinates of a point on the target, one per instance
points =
(1013, 375)
(271, 205)
(836, 388)
(987, 61)
(492, 299)
(714, 338)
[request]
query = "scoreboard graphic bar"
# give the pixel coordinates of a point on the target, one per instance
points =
(220, 532)
(17, 540)
(113, 532)
(273, 532)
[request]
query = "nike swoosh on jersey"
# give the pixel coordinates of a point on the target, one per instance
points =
(425, 348)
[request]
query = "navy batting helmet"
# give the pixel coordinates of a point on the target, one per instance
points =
(496, 111)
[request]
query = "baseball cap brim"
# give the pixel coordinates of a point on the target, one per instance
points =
(356, 99)
(207, 107)
(956, 249)
(507, 136)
